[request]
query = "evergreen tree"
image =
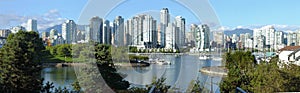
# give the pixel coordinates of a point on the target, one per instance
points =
(20, 63)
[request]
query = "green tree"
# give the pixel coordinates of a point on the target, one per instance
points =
(20, 62)
(64, 50)
(76, 87)
(107, 68)
(160, 85)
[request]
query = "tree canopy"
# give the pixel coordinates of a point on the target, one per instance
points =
(263, 77)
(20, 63)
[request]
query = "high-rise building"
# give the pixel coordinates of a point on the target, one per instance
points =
(69, 29)
(266, 35)
(298, 37)
(218, 37)
(202, 37)
(119, 31)
(45, 35)
(106, 32)
(32, 25)
(96, 29)
(4, 32)
(279, 39)
(170, 36)
(164, 21)
(53, 33)
(180, 26)
(149, 32)
(292, 39)
(112, 30)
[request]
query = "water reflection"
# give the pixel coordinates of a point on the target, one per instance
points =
(61, 76)
(179, 74)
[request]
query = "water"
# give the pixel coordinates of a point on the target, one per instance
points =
(183, 70)
(60, 76)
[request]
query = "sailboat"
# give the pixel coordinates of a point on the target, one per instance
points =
(205, 57)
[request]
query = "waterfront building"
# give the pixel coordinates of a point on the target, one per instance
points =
(202, 37)
(180, 26)
(164, 21)
(170, 37)
(149, 32)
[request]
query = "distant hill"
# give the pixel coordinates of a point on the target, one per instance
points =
(56, 27)
(238, 31)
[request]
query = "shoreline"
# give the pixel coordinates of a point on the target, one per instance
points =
(61, 64)
(215, 70)
(81, 64)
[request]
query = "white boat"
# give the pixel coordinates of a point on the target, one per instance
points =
(162, 62)
(205, 57)
(217, 59)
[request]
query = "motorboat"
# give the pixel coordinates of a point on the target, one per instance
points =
(205, 57)
(217, 58)
(163, 62)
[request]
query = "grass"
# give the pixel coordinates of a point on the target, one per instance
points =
(60, 59)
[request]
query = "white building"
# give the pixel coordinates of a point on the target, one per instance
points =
(32, 25)
(149, 36)
(17, 29)
(279, 40)
(292, 39)
(119, 31)
(4, 32)
(218, 37)
(170, 36)
(202, 38)
(69, 29)
(164, 21)
(180, 26)
(290, 55)
(264, 37)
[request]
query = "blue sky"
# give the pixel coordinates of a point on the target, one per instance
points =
(231, 13)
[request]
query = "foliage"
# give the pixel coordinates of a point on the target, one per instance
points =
(133, 49)
(76, 87)
(134, 57)
(107, 68)
(47, 88)
(160, 87)
(20, 62)
(252, 77)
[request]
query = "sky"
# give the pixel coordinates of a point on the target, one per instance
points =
(283, 14)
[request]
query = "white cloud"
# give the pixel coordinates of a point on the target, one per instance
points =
(49, 19)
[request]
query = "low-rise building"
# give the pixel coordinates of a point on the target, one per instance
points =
(289, 55)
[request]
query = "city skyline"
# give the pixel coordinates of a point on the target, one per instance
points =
(246, 14)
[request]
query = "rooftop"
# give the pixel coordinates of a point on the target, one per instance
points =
(290, 48)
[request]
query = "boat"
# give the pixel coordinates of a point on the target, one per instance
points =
(205, 57)
(163, 62)
(217, 59)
